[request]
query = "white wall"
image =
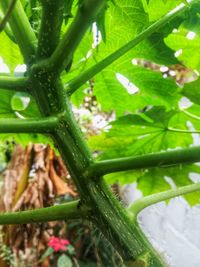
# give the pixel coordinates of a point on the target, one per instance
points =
(173, 229)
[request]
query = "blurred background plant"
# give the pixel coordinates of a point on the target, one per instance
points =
(36, 177)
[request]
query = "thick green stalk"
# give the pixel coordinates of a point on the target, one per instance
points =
(44, 83)
(145, 202)
(77, 82)
(70, 210)
(161, 159)
(13, 83)
(107, 213)
(22, 30)
(105, 210)
(7, 15)
(52, 17)
(63, 54)
(33, 125)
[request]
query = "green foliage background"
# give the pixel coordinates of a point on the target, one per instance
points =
(143, 120)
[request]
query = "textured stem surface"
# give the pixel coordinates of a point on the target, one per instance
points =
(97, 203)
(52, 17)
(106, 212)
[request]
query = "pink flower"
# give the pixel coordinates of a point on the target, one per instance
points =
(58, 244)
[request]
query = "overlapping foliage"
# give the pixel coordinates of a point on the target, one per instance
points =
(154, 117)
(149, 119)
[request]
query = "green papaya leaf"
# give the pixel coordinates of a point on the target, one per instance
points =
(153, 180)
(10, 52)
(191, 91)
(136, 134)
(186, 44)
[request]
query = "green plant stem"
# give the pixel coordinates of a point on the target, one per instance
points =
(70, 210)
(44, 83)
(77, 82)
(52, 17)
(13, 83)
(170, 129)
(161, 159)
(22, 30)
(190, 114)
(33, 125)
(63, 54)
(68, 8)
(145, 202)
(106, 212)
(8, 31)
(7, 15)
